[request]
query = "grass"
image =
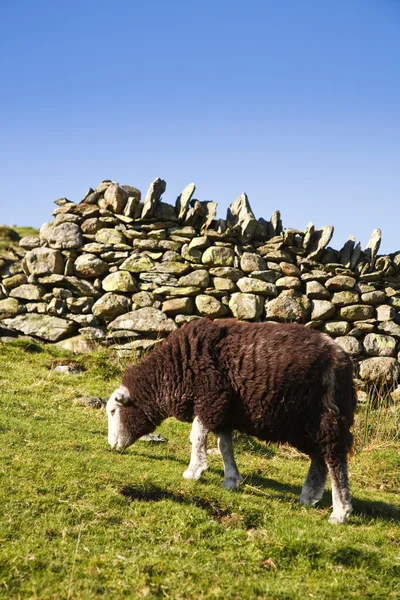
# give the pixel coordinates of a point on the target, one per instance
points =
(10, 236)
(82, 522)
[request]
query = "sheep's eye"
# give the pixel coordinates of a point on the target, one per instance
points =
(112, 412)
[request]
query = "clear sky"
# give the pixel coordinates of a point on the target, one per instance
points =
(295, 102)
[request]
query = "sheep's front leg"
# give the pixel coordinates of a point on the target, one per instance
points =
(198, 459)
(315, 482)
(232, 476)
(341, 499)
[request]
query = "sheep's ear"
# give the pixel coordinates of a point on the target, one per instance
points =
(121, 396)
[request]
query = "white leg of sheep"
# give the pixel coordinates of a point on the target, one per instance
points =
(198, 458)
(232, 477)
(314, 485)
(341, 499)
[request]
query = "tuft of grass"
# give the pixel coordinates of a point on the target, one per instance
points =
(80, 521)
(377, 422)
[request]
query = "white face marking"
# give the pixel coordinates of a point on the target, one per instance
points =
(114, 407)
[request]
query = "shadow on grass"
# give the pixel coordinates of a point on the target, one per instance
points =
(156, 494)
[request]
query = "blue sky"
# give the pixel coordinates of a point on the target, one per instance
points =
(295, 102)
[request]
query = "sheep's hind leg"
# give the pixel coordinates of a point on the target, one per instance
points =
(198, 458)
(341, 498)
(232, 477)
(314, 484)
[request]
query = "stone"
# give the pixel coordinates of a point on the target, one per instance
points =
(367, 326)
(149, 244)
(277, 256)
(89, 265)
(316, 291)
(356, 312)
(91, 225)
(374, 297)
(64, 237)
(256, 286)
(168, 256)
(9, 308)
(336, 328)
(395, 395)
(142, 299)
(320, 238)
(43, 261)
(246, 306)
(373, 276)
(121, 281)
(210, 209)
(340, 299)
(171, 267)
(346, 251)
(181, 319)
(110, 306)
(137, 263)
(276, 223)
(289, 270)
(227, 272)
(115, 198)
(134, 196)
(80, 305)
(210, 307)
(191, 254)
(46, 327)
(29, 242)
(78, 344)
(183, 200)
(240, 218)
(315, 275)
(166, 290)
(10, 283)
(223, 284)
(146, 320)
(288, 283)
(67, 218)
(90, 402)
(380, 370)
(93, 333)
(270, 276)
(340, 283)
(390, 328)
(218, 256)
(289, 306)
(321, 310)
(385, 312)
(373, 246)
(153, 196)
(178, 306)
(28, 291)
(109, 237)
(198, 278)
(199, 243)
(376, 344)
(252, 262)
(350, 345)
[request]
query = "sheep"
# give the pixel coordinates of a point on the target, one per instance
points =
(283, 383)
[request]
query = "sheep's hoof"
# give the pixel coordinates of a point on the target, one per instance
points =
(194, 473)
(341, 517)
(231, 483)
(308, 499)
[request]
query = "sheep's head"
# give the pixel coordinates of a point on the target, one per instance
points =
(126, 420)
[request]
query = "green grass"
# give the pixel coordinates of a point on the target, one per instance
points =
(9, 236)
(79, 521)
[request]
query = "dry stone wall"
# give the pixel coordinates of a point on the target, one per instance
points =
(124, 271)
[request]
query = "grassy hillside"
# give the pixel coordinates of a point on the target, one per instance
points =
(9, 236)
(80, 521)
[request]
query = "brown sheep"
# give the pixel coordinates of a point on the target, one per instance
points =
(277, 382)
